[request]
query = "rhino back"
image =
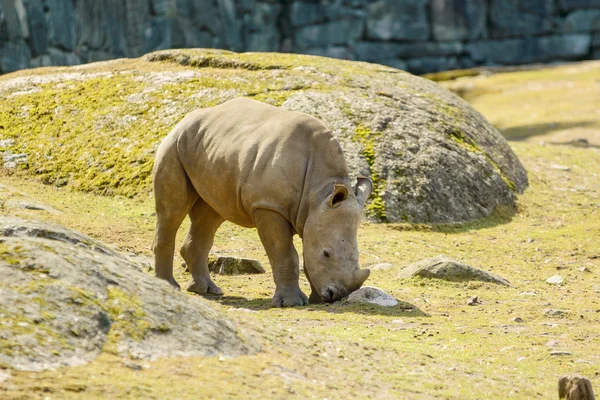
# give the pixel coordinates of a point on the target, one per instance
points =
(244, 155)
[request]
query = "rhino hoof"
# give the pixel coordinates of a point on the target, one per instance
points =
(294, 299)
(205, 288)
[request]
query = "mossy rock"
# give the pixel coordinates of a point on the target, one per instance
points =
(65, 298)
(96, 127)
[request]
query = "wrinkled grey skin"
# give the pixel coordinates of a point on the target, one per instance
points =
(260, 166)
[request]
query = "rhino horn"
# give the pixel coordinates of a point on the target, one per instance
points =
(360, 276)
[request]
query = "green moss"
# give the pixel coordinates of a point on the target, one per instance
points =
(376, 207)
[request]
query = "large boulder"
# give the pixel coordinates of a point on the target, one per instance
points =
(96, 127)
(65, 298)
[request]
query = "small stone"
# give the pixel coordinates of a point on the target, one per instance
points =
(133, 366)
(555, 280)
(554, 312)
(473, 301)
(373, 295)
(560, 353)
(585, 269)
(552, 343)
(518, 319)
(442, 267)
(559, 167)
(380, 267)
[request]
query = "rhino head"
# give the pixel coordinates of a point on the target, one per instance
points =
(330, 242)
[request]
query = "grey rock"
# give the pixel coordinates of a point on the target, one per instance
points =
(566, 47)
(511, 18)
(473, 301)
(551, 312)
(38, 29)
(42, 61)
(61, 24)
(63, 304)
(581, 21)
(596, 39)
(302, 13)
(381, 267)
(446, 268)
(14, 56)
(568, 5)
(58, 57)
(29, 205)
(12, 160)
(560, 353)
(231, 30)
(406, 20)
(372, 295)
(518, 320)
(327, 34)
(555, 280)
(509, 51)
(263, 41)
(529, 50)
(559, 167)
(458, 19)
(14, 19)
(234, 266)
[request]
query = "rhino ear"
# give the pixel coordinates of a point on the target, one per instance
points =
(337, 197)
(363, 189)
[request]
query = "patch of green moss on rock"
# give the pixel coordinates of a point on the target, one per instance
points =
(364, 135)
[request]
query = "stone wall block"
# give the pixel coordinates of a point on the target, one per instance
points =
(328, 34)
(89, 23)
(14, 55)
(38, 30)
(15, 22)
(231, 35)
(61, 23)
(568, 5)
(458, 19)
(137, 14)
(370, 51)
(397, 20)
(596, 40)
(506, 52)
(573, 46)
(302, 13)
(432, 64)
(513, 18)
(582, 21)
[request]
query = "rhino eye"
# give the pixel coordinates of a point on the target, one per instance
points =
(325, 253)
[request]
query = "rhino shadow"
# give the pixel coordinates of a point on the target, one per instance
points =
(402, 309)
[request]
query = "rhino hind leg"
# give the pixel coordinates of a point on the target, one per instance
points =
(199, 240)
(276, 235)
(174, 197)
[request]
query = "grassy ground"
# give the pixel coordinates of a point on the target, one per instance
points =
(433, 345)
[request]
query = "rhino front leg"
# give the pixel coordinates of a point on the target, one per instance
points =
(197, 244)
(276, 235)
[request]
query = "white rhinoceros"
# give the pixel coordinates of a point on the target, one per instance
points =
(260, 166)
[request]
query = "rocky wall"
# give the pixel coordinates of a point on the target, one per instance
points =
(416, 35)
